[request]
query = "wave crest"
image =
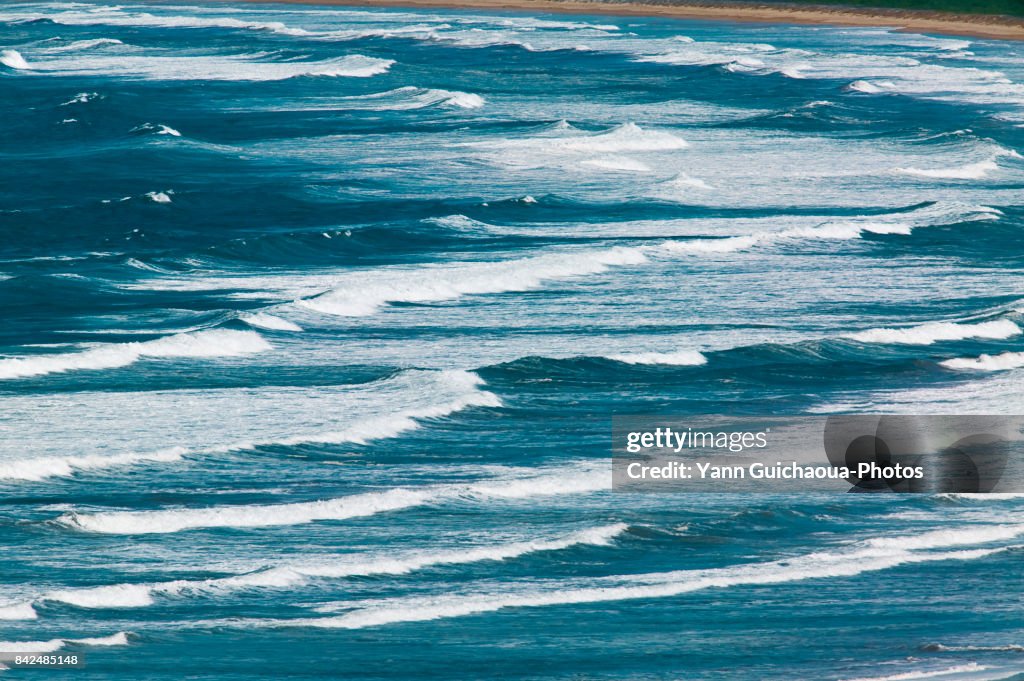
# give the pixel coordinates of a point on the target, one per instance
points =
(933, 332)
(200, 344)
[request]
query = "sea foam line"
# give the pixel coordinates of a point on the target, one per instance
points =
(433, 394)
(371, 291)
(200, 344)
(368, 292)
(297, 574)
(578, 479)
(253, 67)
(971, 171)
(860, 558)
(925, 674)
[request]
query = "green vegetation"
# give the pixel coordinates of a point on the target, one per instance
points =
(1009, 7)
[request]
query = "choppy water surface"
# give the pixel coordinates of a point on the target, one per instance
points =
(315, 319)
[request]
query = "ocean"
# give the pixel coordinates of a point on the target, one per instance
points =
(315, 320)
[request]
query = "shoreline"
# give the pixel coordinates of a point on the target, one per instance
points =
(968, 25)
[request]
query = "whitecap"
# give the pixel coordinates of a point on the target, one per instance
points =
(200, 344)
(933, 332)
(17, 611)
(860, 558)
(1003, 362)
(368, 292)
(531, 482)
(326, 567)
(925, 673)
(269, 321)
(53, 645)
(82, 98)
(13, 59)
(971, 171)
(156, 129)
(116, 430)
(85, 45)
(682, 180)
(675, 358)
(245, 67)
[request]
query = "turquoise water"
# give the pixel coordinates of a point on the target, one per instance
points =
(315, 320)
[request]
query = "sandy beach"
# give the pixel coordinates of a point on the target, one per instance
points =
(974, 25)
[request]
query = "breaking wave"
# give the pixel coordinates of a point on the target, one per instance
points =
(863, 557)
(971, 171)
(528, 483)
(368, 293)
(678, 358)
(254, 67)
(13, 59)
(1002, 362)
(199, 344)
(933, 332)
(263, 320)
(55, 644)
(297, 574)
(379, 410)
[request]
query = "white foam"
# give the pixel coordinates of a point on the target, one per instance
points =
(628, 137)
(366, 293)
(617, 163)
(118, 639)
(463, 100)
(17, 611)
(1002, 362)
(942, 539)
(40, 468)
(115, 596)
(55, 644)
(682, 180)
(82, 98)
(971, 171)
(730, 244)
(339, 567)
(529, 483)
(216, 421)
(860, 558)
(868, 87)
(678, 358)
(252, 67)
(933, 332)
(850, 228)
(31, 646)
(114, 430)
(269, 321)
(113, 16)
(814, 566)
(155, 128)
(925, 674)
(199, 344)
(13, 59)
(407, 98)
